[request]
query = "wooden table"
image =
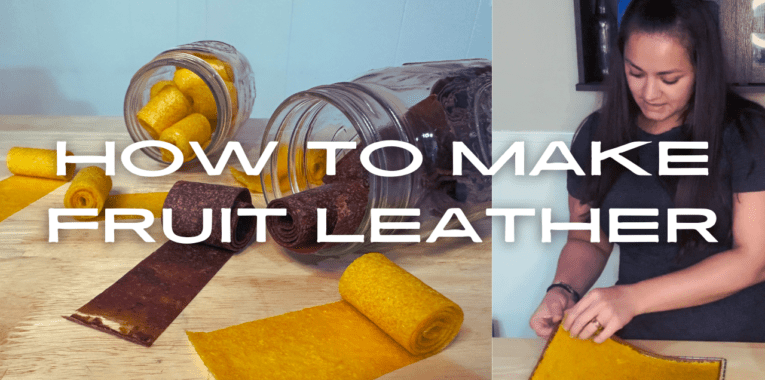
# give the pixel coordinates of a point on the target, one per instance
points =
(514, 359)
(42, 281)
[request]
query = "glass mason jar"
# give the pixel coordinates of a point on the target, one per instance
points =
(428, 105)
(215, 80)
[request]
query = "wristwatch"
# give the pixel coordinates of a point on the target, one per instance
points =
(567, 288)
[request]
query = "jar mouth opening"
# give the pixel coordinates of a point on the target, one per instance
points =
(296, 121)
(297, 127)
(482, 109)
(338, 112)
(160, 68)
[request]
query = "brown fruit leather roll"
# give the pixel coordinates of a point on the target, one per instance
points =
(349, 168)
(345, 201)
(345, 195)
(147, 299)
(188, 199)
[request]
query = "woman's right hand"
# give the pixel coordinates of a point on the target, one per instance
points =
(579, 259)
(550, 312)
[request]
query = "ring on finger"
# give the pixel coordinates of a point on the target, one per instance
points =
(598, 325)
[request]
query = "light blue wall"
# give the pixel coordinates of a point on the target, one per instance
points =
(522, 270)
(535, 73)
(77, 57)
(535, 67)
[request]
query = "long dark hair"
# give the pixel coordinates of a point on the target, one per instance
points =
(712, 107)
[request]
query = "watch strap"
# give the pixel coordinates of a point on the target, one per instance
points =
(567, 288)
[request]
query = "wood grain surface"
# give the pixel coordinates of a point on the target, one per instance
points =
(41, 281)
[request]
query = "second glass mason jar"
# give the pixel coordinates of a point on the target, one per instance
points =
(215, 80)
(429, 105)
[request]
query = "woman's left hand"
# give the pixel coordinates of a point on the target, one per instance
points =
(601, 313)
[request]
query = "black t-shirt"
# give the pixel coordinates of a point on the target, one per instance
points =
(739, 317)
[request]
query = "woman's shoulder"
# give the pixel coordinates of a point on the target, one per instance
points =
(583, 137)
(742, 114)
(591, 121)
(588, 126)
(744, 123)
(743, 143)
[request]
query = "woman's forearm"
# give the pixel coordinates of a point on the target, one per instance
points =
(712, 279)
(580, 264)
(581, 261)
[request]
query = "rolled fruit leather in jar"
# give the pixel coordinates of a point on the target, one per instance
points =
(429, 105)
(202, 91)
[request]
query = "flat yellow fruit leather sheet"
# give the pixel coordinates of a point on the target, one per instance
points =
(34, 176)
(359, 337)
(567, 358)
(18, 192)
(149, 201)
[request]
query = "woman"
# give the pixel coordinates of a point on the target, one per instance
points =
(667, 84)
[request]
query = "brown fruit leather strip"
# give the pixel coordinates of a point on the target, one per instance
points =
(147, 299)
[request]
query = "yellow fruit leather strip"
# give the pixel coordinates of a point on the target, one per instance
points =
(90, 189)
(337, 340)
(251, 182)
(568, 358)
(34, 176)
(411, 312)
(332, 341)
(149, 201)
(18, 192)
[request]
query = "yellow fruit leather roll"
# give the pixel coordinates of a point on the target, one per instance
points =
(34, 162)
(194, 127)
(418, 317)
(90, 188)
(194, 87)
(338, 340)
(34, 176)
(157, 87)
(224, 69)
(186, 79)
(203, 102)
(166, 108)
